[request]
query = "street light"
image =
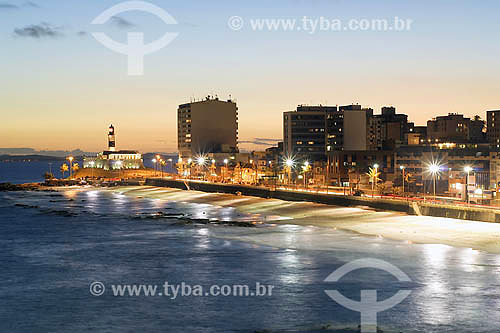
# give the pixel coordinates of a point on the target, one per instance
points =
(402, 167)
(434, 170)
(154, 164)
(70, 159)
(226, 161)
(467, 169)
(375, 177)
(306, 169)
(289, 162)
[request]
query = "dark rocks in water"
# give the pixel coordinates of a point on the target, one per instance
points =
(19, 187)
(217, 222)
(159, 215)
(25, 206)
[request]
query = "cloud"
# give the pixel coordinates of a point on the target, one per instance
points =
(38, 31)
(121, 22)
(261, 141)
(7, 6)
(31, 4)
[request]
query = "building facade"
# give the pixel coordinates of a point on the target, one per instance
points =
(493, 127)
(451, 128)
(304, 131)
(208, 126)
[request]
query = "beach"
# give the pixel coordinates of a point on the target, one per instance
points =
(481, 236)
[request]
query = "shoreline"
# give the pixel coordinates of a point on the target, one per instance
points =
(475, 235)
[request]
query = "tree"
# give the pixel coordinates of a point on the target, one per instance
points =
(75, 167)
(64, 168)
(373, 174)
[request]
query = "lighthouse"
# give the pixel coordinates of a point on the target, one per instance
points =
(111, 138)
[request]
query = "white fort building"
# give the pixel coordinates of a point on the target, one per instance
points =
(113, 159)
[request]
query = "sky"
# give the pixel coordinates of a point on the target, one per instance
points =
(60, 88)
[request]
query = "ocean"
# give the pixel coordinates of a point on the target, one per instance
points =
(19, 172)
(55, 247)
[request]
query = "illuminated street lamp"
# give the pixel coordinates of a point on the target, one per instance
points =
(305, 168)
(289, 162)
(201, 160)
(374, 175)
(402, 167)
(467, 169)
(226, 161)
(70, 159)
(154, 164)
(434, 170)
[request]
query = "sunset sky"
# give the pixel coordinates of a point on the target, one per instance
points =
(60, 89)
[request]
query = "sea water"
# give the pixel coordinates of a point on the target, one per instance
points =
(54, 245)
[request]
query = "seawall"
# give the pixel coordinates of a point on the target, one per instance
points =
(410, 208)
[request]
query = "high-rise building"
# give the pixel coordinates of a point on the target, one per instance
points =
(357, 127)
(393, 128)
(304, 131)
(208, 126)
(493, 127)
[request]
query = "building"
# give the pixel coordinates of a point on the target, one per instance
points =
(113, 159)
(359, 128)
(208, 126)
(452, 159)
(350, 168)
(393, 128)
(493, 127)
(451, 128)
(304, 131)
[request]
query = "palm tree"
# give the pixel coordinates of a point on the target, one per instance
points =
(373, 174)
(64, 168)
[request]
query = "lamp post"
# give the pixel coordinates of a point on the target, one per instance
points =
(375, 175)
(306, 169)
(154, 165)
(226, 161)
(289, 164)
(190, 164)
(467, 169)
(402, 167)
(92, 164)
(434, 169)
(70, 159)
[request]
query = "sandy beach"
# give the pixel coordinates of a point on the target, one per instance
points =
(412, 229)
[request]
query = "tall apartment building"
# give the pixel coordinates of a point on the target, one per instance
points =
(493, 127)
(393, 128)
(208, 126)
(304, 131)
(451, 128)
(359, 128)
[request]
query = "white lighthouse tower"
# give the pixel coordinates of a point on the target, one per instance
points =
(111, 139)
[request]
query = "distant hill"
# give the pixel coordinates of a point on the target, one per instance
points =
(29, 158)
(33, 152)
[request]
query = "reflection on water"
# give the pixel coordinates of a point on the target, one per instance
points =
(54, 245)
